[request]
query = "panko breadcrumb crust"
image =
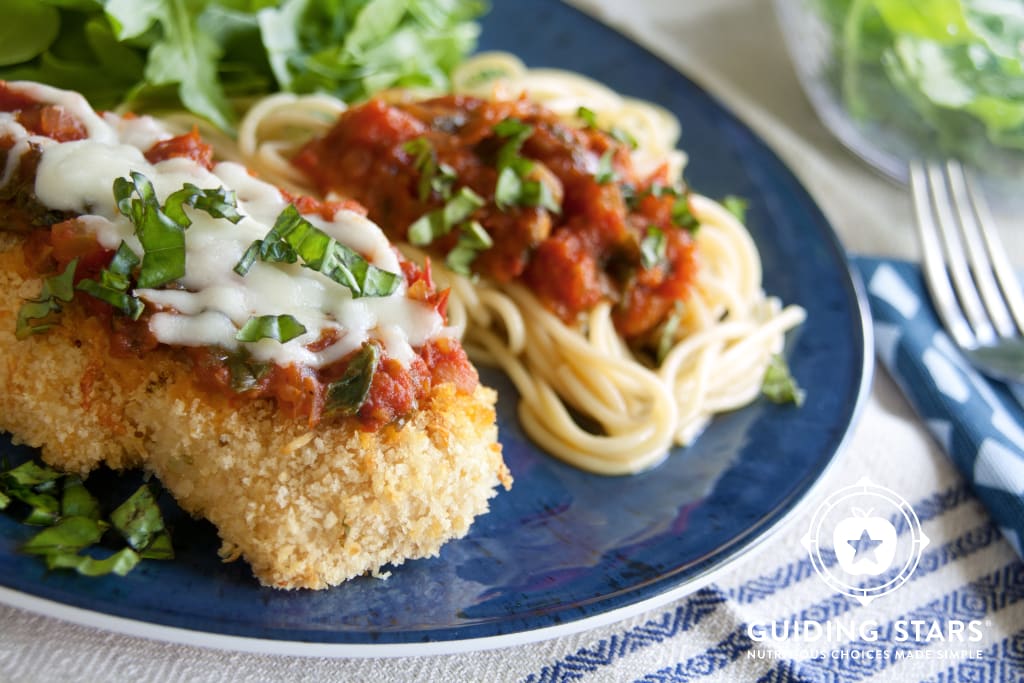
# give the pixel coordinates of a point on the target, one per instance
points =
(304, 509)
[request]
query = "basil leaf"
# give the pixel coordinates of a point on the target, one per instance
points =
(472, 240)
(161, 230)
(138, 519)
(605, 170)
(114, 282)
(653, 247)
(30, 474)
(5, 500)
(669, 330)
(120, 563)
(294, 238)
(588, 116)
(35, 316)
(76, 501)
(624, 136)
(280, 328)
(346, 395)
(246, 374)
(440, 222)
(162, 238)
(537, 194)
(508, 189)
(737, 206)
(779, 384)
(67, 535)
(434, 176)
(683, 216)
(218, 202)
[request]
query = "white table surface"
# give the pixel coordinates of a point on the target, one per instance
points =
(733, 48)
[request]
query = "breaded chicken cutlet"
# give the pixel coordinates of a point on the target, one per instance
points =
(273, 360)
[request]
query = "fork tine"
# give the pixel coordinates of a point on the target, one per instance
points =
(1007, 279)
(979, 251)
(956, 258)
(933, 261)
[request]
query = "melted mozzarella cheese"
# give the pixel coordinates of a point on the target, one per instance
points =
(213, 301)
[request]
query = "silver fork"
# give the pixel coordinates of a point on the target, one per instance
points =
(969, 276)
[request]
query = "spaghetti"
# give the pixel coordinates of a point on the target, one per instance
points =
(588, 396)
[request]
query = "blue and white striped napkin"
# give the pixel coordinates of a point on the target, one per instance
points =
(978, 422)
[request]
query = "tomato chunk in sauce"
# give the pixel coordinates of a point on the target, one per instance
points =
(587, 251)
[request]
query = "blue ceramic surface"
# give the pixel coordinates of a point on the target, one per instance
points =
(563, 545)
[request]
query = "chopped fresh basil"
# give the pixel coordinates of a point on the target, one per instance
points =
(76, 501)
(509, 188)
(515, 187)
(683, 216)
(163, 240)
(37, 315)
(605, 169)
(472, 240)
(624, 136)
(161, 230)
(347, 394)
(669, 331)
(120, 563)
(66, 535)
(440, 222)
(293, 238)
(653, 247)
(74, 524)
(588, 116)
(434, 176)
(113, 283)
(737, 206)
(778, 383)
(538, 194)
(245, 373)
(139, 521)
(218, 202)
(280, 328)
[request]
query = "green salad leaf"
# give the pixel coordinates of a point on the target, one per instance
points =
(948, 74)
(202, 53)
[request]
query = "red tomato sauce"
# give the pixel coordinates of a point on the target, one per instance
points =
(588, 252)
(54, 239)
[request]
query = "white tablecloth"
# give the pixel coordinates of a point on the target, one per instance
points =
(733, 48)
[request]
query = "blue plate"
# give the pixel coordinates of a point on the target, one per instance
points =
(564, 549)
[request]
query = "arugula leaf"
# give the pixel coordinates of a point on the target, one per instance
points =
(778, 383)
(280, 328)
(37, 315)
(947, 74)
(346, 395)
(293, 238)
(198, 53)
(29, 27)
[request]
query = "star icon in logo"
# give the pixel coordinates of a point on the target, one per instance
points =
(864, 545)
